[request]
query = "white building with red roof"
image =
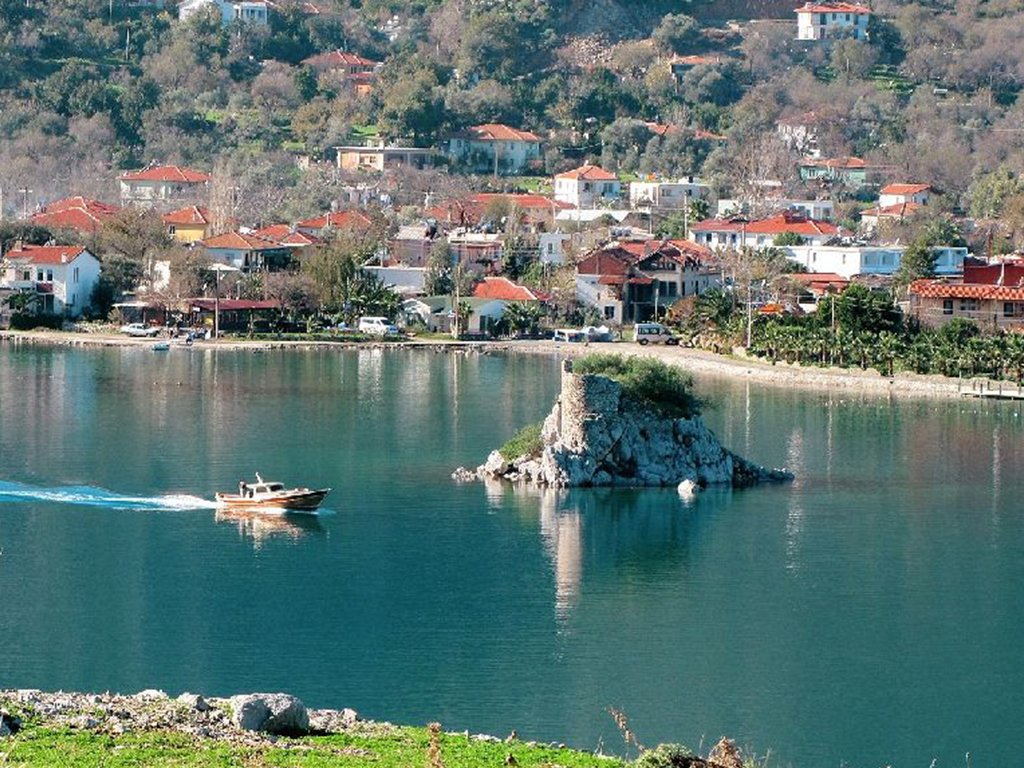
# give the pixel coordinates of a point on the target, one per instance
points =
(821, 21)
(247, 251)
(494, 148)
(162, 183)
(255, 12)
(760, 233)
(341, 61)
(75, 213)
(61, 278)
(587, 187)
(897, 194)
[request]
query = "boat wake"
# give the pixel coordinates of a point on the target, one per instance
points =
(83, 495)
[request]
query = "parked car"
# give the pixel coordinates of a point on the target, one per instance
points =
(653, 333)
(139, 329)
(379, 326)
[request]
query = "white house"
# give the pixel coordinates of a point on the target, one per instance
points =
(552, 247)
(436, 313)
(494, 147)
(760, 233)
(162, 183)
(820, 21)
(61, 277)
(850, 260)
(586, 186)
(246, 252)
(247, 11)
(666, 194)
(898, 194)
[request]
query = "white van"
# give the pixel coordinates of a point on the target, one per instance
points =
(379, 326)
(653, 333)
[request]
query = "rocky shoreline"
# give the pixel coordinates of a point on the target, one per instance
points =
(595, 435)
(254, 723)
(868, 382)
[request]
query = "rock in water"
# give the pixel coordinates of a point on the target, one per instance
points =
(594, 436)
(279, 713)
(688, 489)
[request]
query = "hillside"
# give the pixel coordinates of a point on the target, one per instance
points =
(88, 89)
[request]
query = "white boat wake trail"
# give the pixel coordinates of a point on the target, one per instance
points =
(83, 495)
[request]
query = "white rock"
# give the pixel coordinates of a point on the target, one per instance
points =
(271, 712)
(688, 489)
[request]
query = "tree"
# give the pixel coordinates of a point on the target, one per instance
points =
(678, 33)
(438, 278)
(918, 262)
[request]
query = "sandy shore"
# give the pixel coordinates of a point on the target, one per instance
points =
(693, 360)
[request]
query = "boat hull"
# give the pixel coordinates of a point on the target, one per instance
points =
(298, 500)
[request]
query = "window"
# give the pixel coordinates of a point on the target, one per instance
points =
(39, 275)
(26, 274)
(49, 275)
(74, 296)
(947, 306)
(969, 305)
(609, 312)
(171, 229)
(75, 278)
(1013, 309)
(666, 288)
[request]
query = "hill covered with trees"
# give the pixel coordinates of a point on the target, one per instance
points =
(91, 87)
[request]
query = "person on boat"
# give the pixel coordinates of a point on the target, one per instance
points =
(243, 488)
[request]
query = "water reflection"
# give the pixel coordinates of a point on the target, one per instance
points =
(260, 527)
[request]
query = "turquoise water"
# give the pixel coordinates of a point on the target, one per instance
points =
(868, 614)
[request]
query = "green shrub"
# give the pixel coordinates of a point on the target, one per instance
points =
(666, 756)
(26, 321)
(650, 382)
(525, 442)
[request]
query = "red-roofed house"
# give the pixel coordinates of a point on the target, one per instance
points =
(286, 235)
(680, 65)
(992, 295)
(503, 289)
(738, 232)
(189, 224)
(820, 21)
(633, 281)
(871, 217)
(899, 194)
(60, 277)
(247, 252)
(586, 186)
(494, 147)
(75, 213)
(161, 183)
(320, 226)
(357, 71)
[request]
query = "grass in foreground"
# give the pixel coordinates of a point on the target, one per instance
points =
(380, 747)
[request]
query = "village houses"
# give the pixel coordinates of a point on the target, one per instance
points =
(587, 187)
(59, 278)
(822, 21)
(494, 148)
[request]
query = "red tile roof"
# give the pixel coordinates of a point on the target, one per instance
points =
(940, 289)
(338, 59)
(904, 189)
(191, 215)
(588, 173)
(285, 235)
(786, 221)
(897, 211)
(338, 220)
(695, 60)
(497, 132)
(504, 289)
(833, 8)
(675, 249)
(78, 213)
(47, 254)
(835, 162)
(172, 173)
(240, 241)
